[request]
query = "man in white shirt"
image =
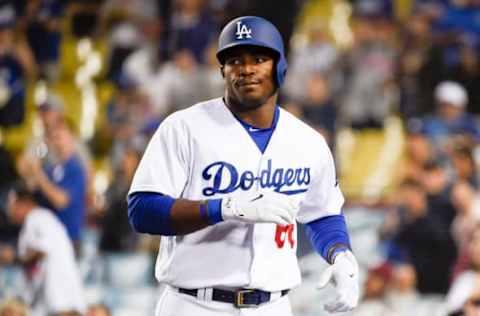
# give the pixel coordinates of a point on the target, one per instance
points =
(47, 255)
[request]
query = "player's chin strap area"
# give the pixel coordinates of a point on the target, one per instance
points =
(240, 298)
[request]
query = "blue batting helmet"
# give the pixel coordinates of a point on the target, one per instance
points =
(256, 31)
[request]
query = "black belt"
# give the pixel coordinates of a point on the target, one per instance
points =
(240, 298)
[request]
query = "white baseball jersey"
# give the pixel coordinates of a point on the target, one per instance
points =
(56, 281)
(203, 152)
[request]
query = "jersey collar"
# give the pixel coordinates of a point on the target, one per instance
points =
(253, 129)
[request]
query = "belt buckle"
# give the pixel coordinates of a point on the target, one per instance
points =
(239, 299)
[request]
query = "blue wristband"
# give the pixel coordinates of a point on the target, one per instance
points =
(214, 211)
(335, 250)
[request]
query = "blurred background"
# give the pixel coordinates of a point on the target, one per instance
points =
(390, 84)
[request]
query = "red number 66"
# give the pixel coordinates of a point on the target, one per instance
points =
(284, 232)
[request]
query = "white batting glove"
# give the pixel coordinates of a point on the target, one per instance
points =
(343, 274)
(264, 207)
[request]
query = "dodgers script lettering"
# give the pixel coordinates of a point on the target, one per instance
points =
(224, 177)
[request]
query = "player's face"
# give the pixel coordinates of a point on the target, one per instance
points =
(249, 75)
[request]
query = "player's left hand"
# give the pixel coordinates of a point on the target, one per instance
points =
(343, 274)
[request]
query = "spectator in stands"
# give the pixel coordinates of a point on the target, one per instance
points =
(132, 10)
(43, 31)
(7, 253)
(191, 29)
(8, 231)
(402, 296)
(369, 90)
(13, 307)
(47, 256)
(51, 111)
(458, 17)
(98, 310)
(467, 204)
(418, 151)
(472, 306)
(438, 186)
(168, 85)
(375, 291)
(61, 183)
(127, 114)
(134, 27)
(84, 18)
(12, 78)
(467, 72)
(419, 66)
(143, 66)
(116, 232)
(464, 164)
(467, 283)
(316, 106)
(177, 82)
(425, 240)
(183, 73)
(318, 56)
(450, 118)
(125, 38)
(213, 84)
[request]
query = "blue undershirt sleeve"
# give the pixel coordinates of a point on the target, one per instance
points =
(328, 236)
(149, 212)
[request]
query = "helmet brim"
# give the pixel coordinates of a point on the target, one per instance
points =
(222, 53)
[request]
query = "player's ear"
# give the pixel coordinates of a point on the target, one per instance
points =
(222, 71)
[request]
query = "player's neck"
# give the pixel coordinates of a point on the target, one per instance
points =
(260, 117)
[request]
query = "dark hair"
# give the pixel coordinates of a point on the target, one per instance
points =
(414, 184)
(463, 151)
(433, 165)
(22, 191)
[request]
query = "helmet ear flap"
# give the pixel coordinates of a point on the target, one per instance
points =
(281, 70)
(222, 71)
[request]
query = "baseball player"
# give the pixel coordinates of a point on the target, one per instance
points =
(224, 182)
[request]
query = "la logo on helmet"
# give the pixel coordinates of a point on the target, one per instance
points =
(243, 30)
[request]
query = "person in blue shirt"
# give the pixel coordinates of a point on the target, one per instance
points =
(12, 72)
(61, 183)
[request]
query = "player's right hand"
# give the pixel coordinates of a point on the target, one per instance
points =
(263, 207)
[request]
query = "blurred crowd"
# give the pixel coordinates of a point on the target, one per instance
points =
(84, 84)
